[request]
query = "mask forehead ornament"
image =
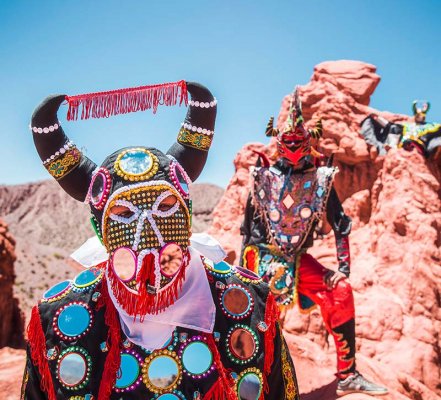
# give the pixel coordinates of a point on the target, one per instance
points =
(139, 196)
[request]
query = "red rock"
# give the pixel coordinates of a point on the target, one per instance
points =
(395, 244)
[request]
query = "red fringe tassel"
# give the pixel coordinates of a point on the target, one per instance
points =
(271, 317)
(144, 302)
(123, 101)
(223, 389)
(37, 344)
(113, 359)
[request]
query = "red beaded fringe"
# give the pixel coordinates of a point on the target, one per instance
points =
(37, 345)
(223, 387)
(271, 317)
(123, 101)
(113, 358)
(144, 302)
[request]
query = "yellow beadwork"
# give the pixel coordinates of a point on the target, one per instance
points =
(288, 378)
(196, 140)
(137, 177)
(145, 367)
(64, 164)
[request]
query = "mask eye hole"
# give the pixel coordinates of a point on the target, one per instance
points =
(167, 203)
(122, 211)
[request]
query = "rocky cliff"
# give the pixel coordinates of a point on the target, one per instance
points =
(11, 321)
(396, 274)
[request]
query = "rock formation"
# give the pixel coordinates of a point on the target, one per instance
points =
(11, 323)
(396, 274)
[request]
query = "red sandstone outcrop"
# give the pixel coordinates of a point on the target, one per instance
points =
(11, 324)
(396, 274)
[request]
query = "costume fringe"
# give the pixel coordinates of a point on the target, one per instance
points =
(271, 317)
(113, 359)
(37, 345)
(123, 101)
(223, 389)
(144, 302)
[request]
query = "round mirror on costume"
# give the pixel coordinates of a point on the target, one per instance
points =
(236, 301)
(170, 258)
(197, 359)
(242, 344)
(180, 179)
(73, 368)
(136, 164)
(162, 371)
(249, 386)
(100, 188)
(124, 264)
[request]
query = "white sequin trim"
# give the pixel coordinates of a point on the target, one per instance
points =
(198, 129)
(203, 104)
(48, 129)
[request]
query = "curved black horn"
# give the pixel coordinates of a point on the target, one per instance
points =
(61, 158)
(197, 131)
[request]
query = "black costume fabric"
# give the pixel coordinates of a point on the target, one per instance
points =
(281, 380)
(281, 217)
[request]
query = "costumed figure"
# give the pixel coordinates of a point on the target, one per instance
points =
(423, 136)
(162, 317)
(286, 203)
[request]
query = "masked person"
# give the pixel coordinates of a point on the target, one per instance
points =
(421, 135)
(287, 201)
(157, 319)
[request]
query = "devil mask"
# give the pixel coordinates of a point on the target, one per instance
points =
(294, 140)
(139, 198)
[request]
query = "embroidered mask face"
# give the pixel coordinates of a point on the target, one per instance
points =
(142, 204)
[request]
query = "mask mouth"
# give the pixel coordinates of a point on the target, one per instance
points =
(148, 282)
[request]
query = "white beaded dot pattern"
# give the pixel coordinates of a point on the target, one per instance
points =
(59, 152)
(198, 129)
(203, 104)
(47, 129)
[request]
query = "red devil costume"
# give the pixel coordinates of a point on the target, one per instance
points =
(157, 318)
(287, 201)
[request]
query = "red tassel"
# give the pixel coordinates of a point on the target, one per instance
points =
(271, 317)
(37, 345)
(223, 389)
(143, 302)
(113, 359)
(123, 101)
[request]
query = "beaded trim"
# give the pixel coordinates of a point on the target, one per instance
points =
(150, 359)
(98, 273)
(227, 312)
(48, 129)
(174, 165)
(203, 104)
(107, 182)
(65, 163)
(246, 275)
(60, 151)
(211, 268)
(62, 293)
(136, 177)
(138, 379)
(60, 310)
(198, 141)
(179, 395)
(197, 129)
(87, 359)
(230, 354)
(251, 370)
(195, 339)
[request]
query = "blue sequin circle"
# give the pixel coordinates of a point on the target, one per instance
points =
(74, 320)
(128, 371)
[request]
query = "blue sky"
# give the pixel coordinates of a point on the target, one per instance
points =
(249, 53)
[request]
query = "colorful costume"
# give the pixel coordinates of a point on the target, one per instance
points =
(287, 201)
(157, 318)
(423, 136)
